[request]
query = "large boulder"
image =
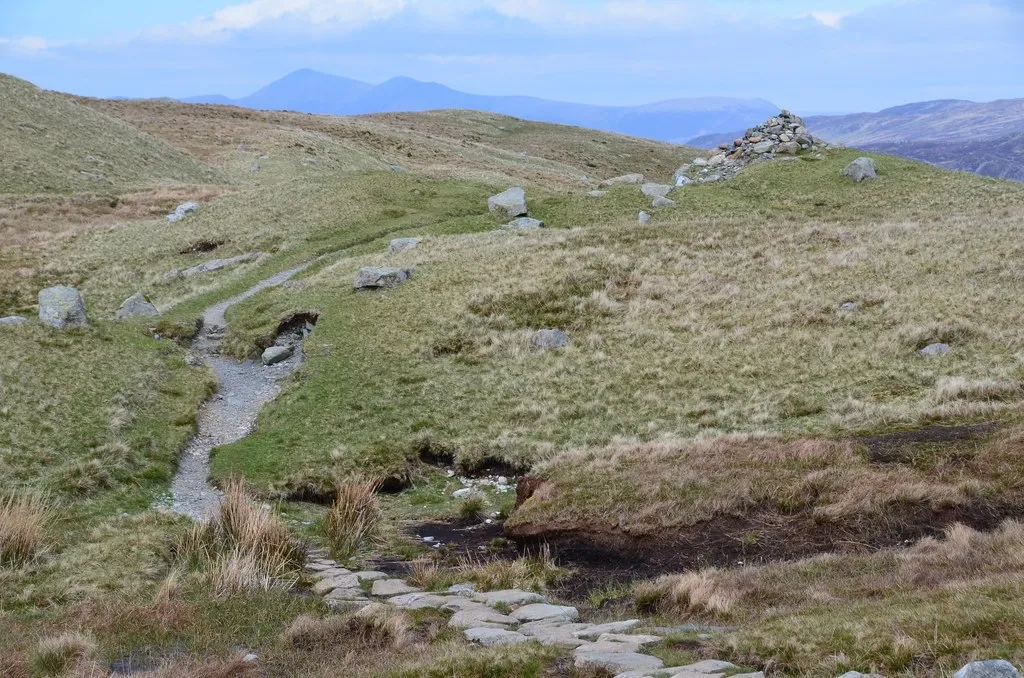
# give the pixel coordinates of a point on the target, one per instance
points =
(509, 204)
(136, 306)
(62, 307)
(624, 179)
(656, 190)
(993, 668)
(861, 169)
(373, 277)
(182, 211)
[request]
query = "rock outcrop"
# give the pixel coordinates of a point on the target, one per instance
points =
(62, 307)
(509, 204)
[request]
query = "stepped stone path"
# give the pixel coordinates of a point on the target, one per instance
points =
(243, 389)
(511, 617)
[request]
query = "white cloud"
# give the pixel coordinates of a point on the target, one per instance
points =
(348, 14)
(29, 45)
(830, 19)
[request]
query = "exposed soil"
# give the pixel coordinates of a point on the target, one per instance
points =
(891, 447)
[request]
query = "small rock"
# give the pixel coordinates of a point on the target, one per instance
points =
(547, 340)
(523, 224)
(597, 630)
(136, 306)
(344, 581)
(934, 350)
(861, 169)
(643, 218)
(993, 668)
(543, 611)
(717, 160)
(464, 493)
(375, 277)
(624, 179)
(182, 211)
(276, 354)
(700, 162)
(607, 646)
(617, 662)
(12, 320)
(639, 639)
(663, 202)
(710, 666)
(402, 244)
(250, 658)
(683, 180)
(858, 674)
(656, 190)
(597, 194)
(848, 307)
(397, 169)
(387, 588)
(62, 307)
(787, 148)
(510, 204)
(214, 265)
(489, 637)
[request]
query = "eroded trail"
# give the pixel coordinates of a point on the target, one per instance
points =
(243, 389)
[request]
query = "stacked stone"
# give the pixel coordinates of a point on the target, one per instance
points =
(783, 135)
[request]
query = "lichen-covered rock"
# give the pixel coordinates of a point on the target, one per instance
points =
(375, 277)
(136, 306)
(509, 204)
(662, 202)
(62, 307)
(539, 611)
(861, 169)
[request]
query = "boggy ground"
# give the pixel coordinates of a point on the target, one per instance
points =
(715, 406)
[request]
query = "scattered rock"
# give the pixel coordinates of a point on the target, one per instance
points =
(214, 265)
(993, 668)
(643, 218)
(597, 194)
(277, 354)
(510, 204)
(62, 307)
(617, 662)
(541, 611)
(624, 179)
(182, 211)
(12, 320)
(656, 190)
(934, 350)
(374, 277)
(662, 202)
(861, 169)
(511, 597)
(136, 306)
(402, 244)
(489, 637)
(523, 224)
(547, 340)
(387, 588)
(710, 666)
(683, 180)
(848, 307)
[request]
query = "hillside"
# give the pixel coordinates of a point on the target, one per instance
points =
(738, 451)
(51, 144)
(673, 121)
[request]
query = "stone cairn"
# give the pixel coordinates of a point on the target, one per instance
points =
(783, 135)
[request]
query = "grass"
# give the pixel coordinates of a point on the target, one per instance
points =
(55, 655)
(532, 572)
(353, 521)
(23, 522)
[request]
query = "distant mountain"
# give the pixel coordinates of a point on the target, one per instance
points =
(309, 91)
(986, 138)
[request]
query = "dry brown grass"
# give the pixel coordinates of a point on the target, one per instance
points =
(354, 520)
(534, 572)
(232, 667)
(54, 655)
(375, 626)
(23, 520)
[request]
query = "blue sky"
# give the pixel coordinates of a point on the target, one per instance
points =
(810, 55)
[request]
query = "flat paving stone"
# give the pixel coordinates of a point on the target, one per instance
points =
(370, 575)
(392, 587)
(557, 634)
(346, 594)
(538, 611)
(597, 630)
(489, 637)
(342, 581)
(640, 639)
(511, 597)
(607, 646)
(617, 662)
(419, 601)
(477, 618)
(710, 666)
(330, 572)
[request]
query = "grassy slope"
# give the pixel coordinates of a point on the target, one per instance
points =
(53, 145)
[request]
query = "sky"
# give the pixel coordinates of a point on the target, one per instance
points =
(812, 56)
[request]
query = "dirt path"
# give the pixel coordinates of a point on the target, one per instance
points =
(244, 388)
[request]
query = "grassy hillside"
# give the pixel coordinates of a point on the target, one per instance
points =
(53, 145)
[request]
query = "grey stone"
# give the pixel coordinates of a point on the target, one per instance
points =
(638, 639)
(465, 590)
(683, 180)
(597, 194)
(397, 168)
(214, 265)
(607, 646)
(464, 493)
(787, 148)
(763, 147)
(12, 320)
(375, 277)
(858, 674)
(62, 307)
(401, 244)
(419, 601)
(509, 204)
(594, 631)
(624, 179)
(710, 666)
(342, 581)
(617, 662)
(656, 190)
(136, 306)
(643, 218)
(523, 224)
(861, 169)
(934, 350)
(546, 340)
(330, 572)
(993, 668)
(489, 637)
(480, 618)
(663, 202)
(277, 354)
(370, 575)
(848, 307)
(392, 587)
(510, 597)
(539, 611)
(346, 594)
(717, 160)
(457, 603)
(555, 632)
(700, 162)
(182, 211)
(711, 179)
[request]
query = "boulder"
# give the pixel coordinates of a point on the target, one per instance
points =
(546, 340)
(643, 218)
(489, 637)
(861, 169)
(717, 160)
(662, 202)
(62, 307)
(543, 611)
(277, 354)
(934, 350)
(523, 224)
(401, 244)
(509, 204)
(136, 306)
(993, 668)
(182, 211)
(617, 662)
(624, 179)
(656, 190)
(12, 320)
(375, 277)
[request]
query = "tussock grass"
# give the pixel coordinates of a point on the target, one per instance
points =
(354, 519)
(375, 625)
(54, 655)
(533, 572)
(23, 521)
